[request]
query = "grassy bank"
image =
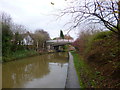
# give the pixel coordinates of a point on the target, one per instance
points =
(103, 55)
(87, 76)
(98, 60)
(18, 55)
(78, 65)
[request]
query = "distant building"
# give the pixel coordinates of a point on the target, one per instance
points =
(27, 39)
(67, 37)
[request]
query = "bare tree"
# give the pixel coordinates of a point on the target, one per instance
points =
(18, 28)
(106, 12)
(5, 18)
(40, 37)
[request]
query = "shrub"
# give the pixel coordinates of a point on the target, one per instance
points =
(102, 35)
(97, 37)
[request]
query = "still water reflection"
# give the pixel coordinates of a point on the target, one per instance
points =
(44, 71)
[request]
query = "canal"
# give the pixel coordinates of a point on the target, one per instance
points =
(43, 71)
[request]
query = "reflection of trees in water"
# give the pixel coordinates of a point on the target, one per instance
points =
(60, 57)
(19, 72)
(16, 73)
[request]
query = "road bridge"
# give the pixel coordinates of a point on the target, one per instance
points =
(57, 44)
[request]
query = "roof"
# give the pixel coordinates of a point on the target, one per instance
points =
(65, 37)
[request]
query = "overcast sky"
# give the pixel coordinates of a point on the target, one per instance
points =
(37, 14)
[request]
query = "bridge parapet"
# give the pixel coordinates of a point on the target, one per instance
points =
(56, 44)
(60, 40)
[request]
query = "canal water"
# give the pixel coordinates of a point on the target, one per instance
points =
(43, 71)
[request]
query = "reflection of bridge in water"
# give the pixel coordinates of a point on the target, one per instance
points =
(57, 44)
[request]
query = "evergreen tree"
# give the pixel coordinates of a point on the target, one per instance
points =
(61, 34)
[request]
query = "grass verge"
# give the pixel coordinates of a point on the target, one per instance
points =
(77, 63)
(87, 77)
(19, 55)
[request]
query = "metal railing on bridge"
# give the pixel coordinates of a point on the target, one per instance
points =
(59, 42)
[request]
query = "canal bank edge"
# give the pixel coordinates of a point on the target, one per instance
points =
(26, 56)
(72, 78)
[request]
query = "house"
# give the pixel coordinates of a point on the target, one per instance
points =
(67, 37)
(27, 39)
(30, 40)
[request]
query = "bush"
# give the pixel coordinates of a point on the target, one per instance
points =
(81, 41)
(97, 37)
(18, 54)
(102, 35)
